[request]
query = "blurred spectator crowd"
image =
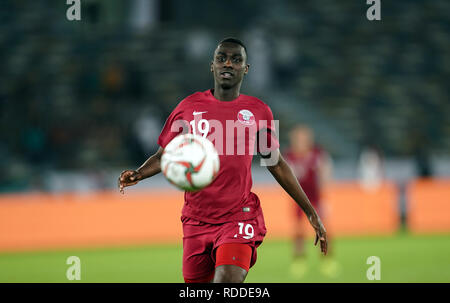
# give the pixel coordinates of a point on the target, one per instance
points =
(79, 95)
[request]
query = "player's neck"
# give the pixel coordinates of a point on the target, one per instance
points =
(226, 94)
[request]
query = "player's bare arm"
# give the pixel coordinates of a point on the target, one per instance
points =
(286, 178)
(150, 168)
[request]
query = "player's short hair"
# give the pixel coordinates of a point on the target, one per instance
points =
(236, 41)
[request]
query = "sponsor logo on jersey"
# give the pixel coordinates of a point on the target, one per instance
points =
(246, 117)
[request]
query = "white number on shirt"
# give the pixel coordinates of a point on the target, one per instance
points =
(248, 230)
(203, 127)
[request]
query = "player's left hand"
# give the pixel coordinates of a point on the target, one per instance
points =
(321, 233)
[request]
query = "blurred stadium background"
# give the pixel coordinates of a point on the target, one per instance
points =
(82, 100)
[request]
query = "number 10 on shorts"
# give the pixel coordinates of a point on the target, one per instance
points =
(246, 229)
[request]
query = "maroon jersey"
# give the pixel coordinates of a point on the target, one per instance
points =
(306, 169)
(234, 127)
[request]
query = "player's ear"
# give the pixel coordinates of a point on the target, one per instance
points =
(246, 69)
(211, 67)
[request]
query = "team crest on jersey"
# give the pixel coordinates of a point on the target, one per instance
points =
(246, 117)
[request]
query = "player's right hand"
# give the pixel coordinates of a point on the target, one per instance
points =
(128, 178)
(321, 233)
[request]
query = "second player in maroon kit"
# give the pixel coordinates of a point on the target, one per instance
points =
(312, 167)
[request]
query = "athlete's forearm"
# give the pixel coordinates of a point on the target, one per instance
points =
(151, 166)
(286, 178)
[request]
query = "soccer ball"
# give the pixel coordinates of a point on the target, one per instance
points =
(190, 162)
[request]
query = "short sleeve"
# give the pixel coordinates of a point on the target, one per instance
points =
(267, 140)
(173, 126)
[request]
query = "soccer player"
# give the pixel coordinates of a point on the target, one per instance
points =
(313, 169)
(223, 224)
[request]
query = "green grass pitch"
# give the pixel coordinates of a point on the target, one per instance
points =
(404, 258)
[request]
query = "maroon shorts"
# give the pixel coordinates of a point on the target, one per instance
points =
(201, 239)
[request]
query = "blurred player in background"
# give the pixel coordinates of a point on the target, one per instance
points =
(313, 168)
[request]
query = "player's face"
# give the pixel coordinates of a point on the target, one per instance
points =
(229, 65)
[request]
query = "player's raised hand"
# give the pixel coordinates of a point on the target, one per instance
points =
(128, 178)
(321, 234)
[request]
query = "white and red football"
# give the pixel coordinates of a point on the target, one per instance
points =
(190, 162)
